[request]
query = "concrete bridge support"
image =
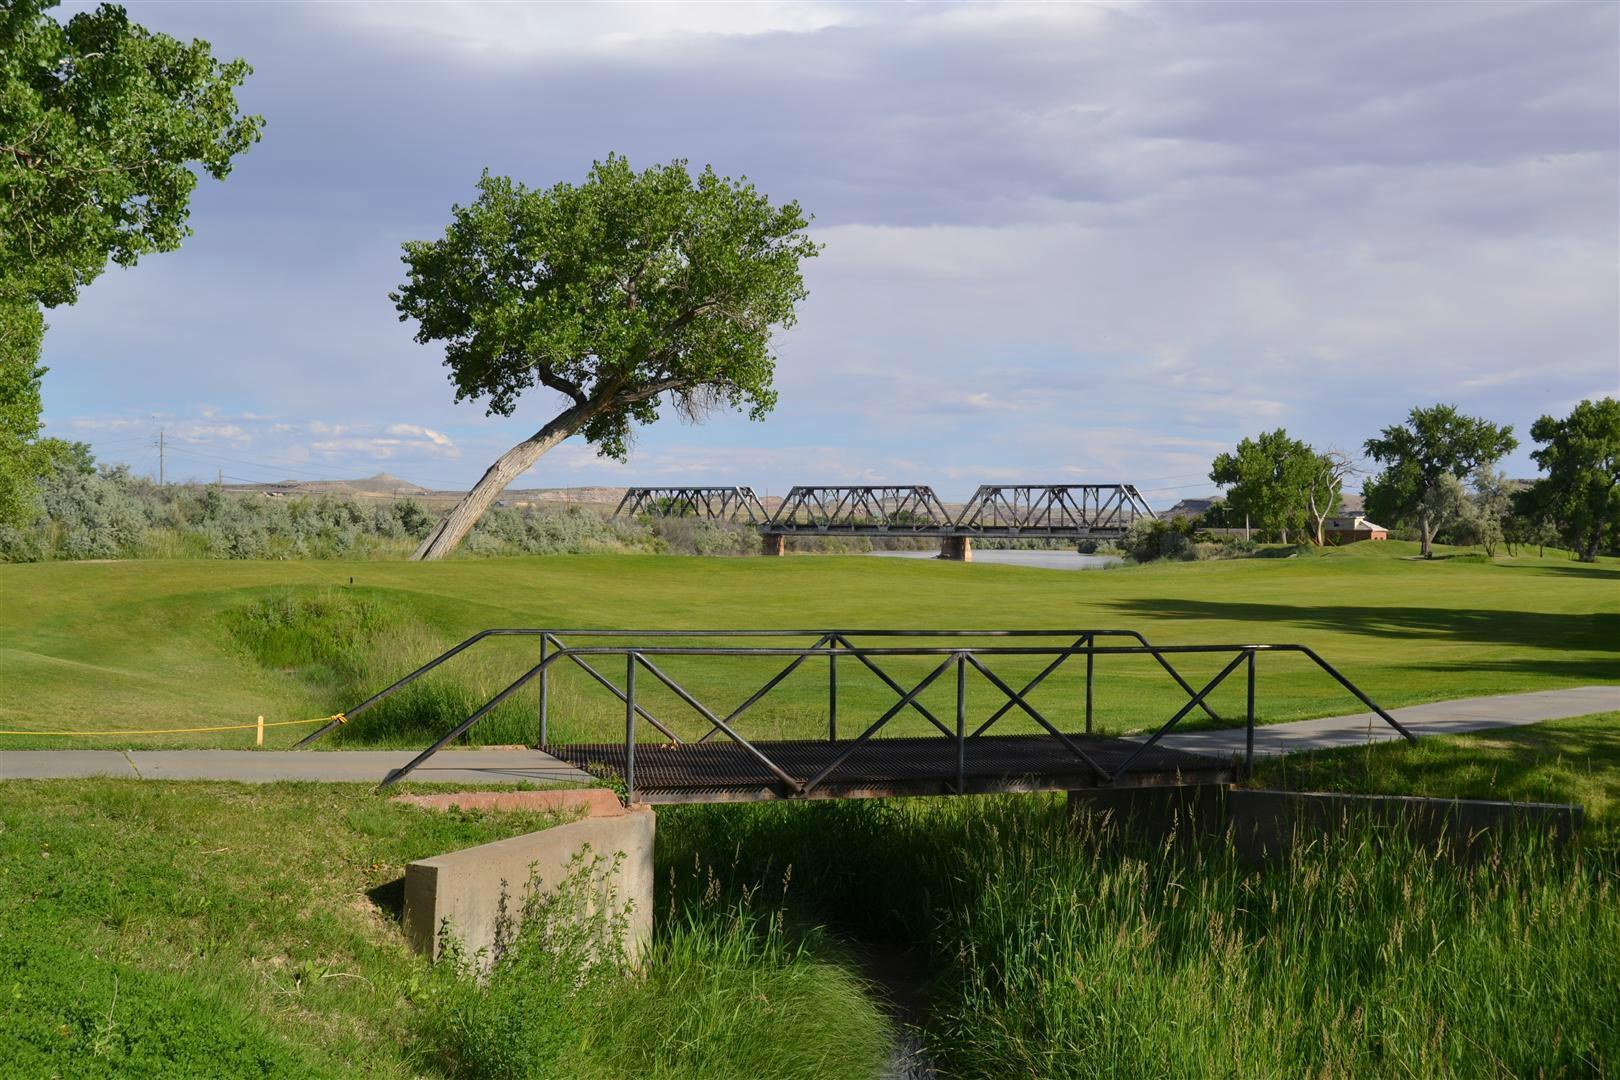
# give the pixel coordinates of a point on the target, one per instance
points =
(956, 548)
(772, 544)
(462, 894)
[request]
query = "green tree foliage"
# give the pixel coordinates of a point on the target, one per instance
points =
(100, 123)
(619, 293)
(100, 120)
(1433, 443)
(1581, 492)
(1268, 479)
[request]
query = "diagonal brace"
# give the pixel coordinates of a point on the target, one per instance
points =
(1018, 699)
(1183, 711)
(896, 687)
(909, 697)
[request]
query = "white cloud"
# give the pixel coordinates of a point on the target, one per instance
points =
(528, 32)
(418, 431)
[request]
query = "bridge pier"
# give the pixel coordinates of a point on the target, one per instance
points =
(772, 544)
(956, 548)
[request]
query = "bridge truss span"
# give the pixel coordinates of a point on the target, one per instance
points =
(1052, 510)
(912, 509)
(735, 503)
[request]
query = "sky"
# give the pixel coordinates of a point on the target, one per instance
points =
(1088, 243)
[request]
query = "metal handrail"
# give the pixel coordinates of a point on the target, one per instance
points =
(637, 656)
(553, 637)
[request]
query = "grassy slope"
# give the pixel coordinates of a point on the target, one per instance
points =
(143, 644)
(224, 930)
(1575, 760)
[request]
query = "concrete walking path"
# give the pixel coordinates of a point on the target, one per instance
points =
(515, 766)
(1435, 718)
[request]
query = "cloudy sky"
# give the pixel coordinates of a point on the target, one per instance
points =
(1084, 243)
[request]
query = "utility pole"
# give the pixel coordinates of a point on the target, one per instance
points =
(160, 457)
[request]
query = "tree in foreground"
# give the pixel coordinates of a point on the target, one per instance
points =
(621, 294)
(1268, 480)
(1581, 491)
(1433, 443)
(101, 122)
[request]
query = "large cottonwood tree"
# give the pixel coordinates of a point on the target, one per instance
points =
(622, 294)
(1268, 480)
(1581, 491)
(102, 124)
(1433, 443)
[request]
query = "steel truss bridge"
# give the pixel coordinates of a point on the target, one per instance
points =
(695, 749)
(1031, 511)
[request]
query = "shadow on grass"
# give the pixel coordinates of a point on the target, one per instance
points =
(1585, 669)
(1534, 629)
(390, 899)
(1584, 570)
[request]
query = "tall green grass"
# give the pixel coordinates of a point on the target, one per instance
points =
(1062, 948)
(342, 645)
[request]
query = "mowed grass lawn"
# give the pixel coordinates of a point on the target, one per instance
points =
(139, 645)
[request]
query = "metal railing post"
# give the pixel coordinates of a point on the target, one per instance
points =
(1091, 667)
(629, 729)
(1248, 733)
(545, 675)
(961, 724)
(832, 689)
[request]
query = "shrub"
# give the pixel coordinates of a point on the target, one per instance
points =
(1148, 539)
(94, 514)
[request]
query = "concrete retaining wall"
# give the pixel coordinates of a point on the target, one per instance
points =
(464, 889)
(1265, 824)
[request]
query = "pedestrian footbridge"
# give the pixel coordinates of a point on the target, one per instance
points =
(849, 714)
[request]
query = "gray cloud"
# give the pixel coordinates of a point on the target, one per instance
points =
(1058, 237)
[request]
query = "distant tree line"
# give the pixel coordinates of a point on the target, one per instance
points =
(1439, 479)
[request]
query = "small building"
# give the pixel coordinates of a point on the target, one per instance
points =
(1350, 528)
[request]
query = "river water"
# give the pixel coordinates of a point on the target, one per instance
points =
(1046, 560)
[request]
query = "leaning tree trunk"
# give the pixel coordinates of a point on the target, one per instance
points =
(1424, 535)
(455, 526)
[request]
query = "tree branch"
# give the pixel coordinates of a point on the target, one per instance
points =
(556, 382)
(650, 390)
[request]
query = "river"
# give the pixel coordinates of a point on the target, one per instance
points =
(1046, 560)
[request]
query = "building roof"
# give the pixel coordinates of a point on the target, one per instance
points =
(1351, 523)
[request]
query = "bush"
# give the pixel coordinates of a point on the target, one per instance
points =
(95, 514)
(1148, 539)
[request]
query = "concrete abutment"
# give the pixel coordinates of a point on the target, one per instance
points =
(463, 893)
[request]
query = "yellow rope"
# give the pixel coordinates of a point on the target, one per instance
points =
(339, 717)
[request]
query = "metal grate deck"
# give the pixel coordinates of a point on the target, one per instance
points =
(723, 771)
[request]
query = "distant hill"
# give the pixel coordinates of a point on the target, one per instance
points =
(381, 484)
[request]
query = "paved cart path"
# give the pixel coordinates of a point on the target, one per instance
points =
(1435, 718)
(515, 766)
